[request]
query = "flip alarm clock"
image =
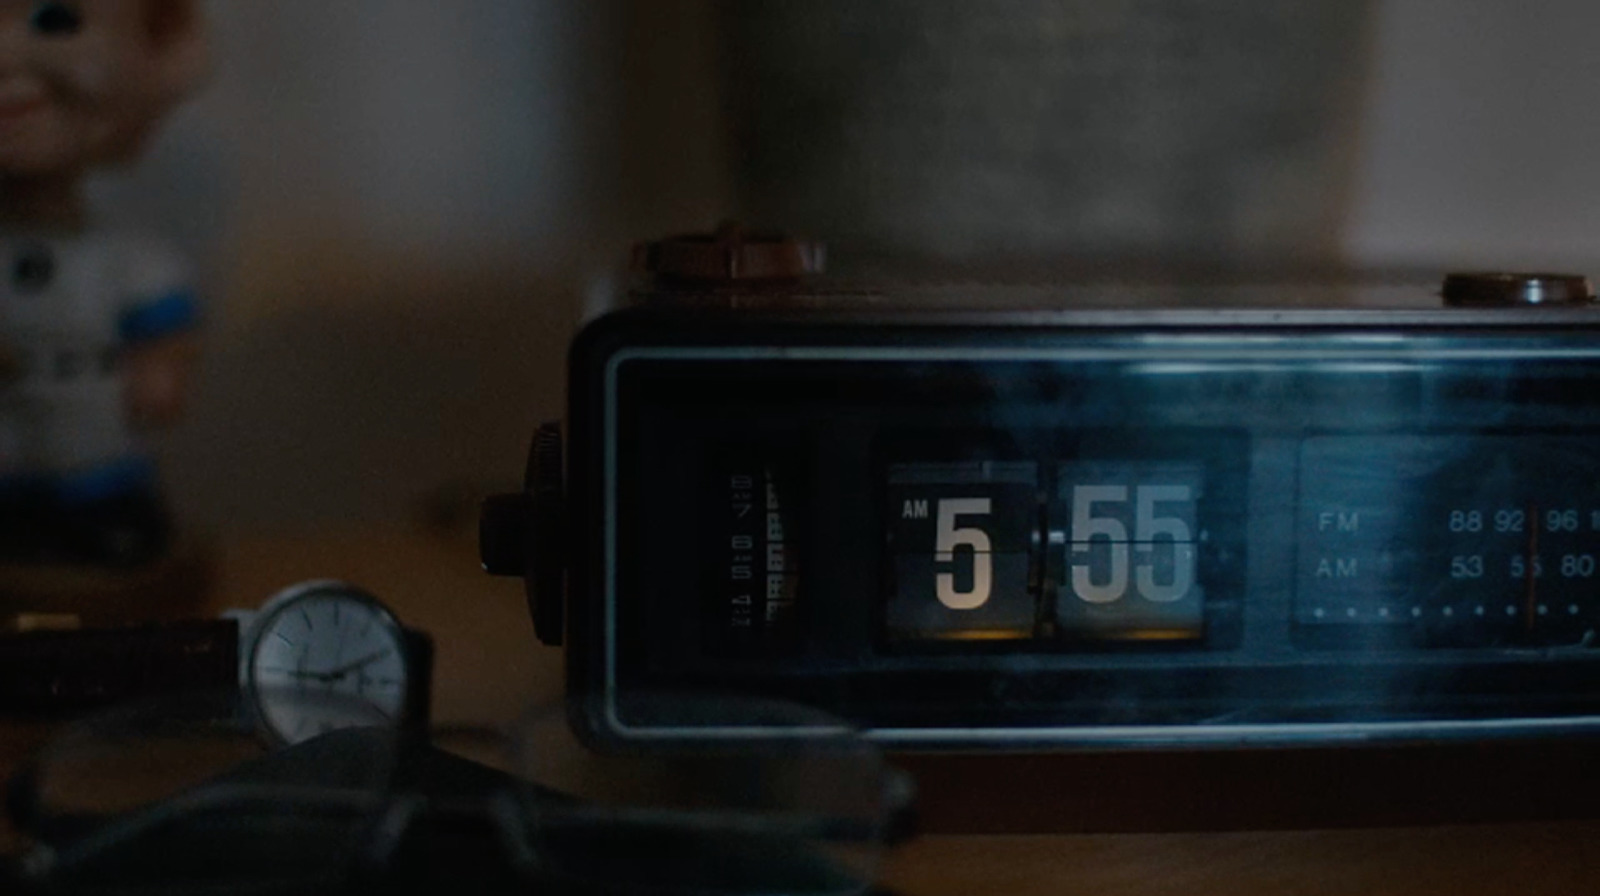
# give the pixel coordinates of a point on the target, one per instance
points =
(993, 517)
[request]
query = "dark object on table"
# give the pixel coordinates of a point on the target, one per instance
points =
(356, 811)
(172, 587)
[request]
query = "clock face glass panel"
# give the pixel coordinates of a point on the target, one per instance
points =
(324, 662)
(933, 534)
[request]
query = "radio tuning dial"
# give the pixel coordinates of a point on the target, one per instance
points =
(1505, 289)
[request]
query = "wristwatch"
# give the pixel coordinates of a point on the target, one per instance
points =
(317, 656)
(323, 655)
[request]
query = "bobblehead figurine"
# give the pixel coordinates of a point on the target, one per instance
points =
(96, 328)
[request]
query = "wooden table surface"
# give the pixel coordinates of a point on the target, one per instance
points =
(489, 668)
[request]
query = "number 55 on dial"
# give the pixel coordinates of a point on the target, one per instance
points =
(1129, 547)
(960, 538)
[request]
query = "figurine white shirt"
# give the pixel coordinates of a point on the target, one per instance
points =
(69, 308)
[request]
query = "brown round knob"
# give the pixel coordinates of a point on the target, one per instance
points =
(1505, 289)
(731, 254)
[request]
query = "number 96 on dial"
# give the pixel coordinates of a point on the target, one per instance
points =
(960, 541)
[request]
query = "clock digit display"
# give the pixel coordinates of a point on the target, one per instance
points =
(961, 539)
(1098, 545)
(977, 553)
(949, 538)
(1131, 549)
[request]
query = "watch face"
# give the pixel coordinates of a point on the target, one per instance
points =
(324, 656)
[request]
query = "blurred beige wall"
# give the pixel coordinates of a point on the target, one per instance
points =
(395, 206)
(1477, 145)
(399, 205)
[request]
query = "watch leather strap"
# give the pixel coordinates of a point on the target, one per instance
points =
(50, 671)
(416, 717)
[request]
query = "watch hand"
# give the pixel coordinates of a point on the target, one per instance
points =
(336, 673)
(347, 668)
(300, 673)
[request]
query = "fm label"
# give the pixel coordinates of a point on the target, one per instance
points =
(1339, 521)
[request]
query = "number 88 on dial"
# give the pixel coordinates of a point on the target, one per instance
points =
(960, 537)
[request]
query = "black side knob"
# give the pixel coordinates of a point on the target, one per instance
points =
(505, 529)
(524, 534)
